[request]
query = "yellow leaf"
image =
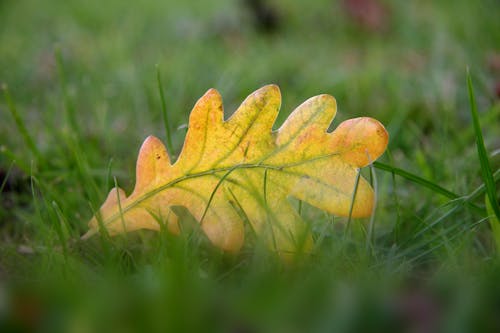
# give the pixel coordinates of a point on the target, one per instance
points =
(235, 171)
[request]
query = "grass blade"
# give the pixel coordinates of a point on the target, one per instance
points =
(458, 204)
(481, 152)
(416, 179)
(423, 182)
(494, 223)
(68, 105)
(355, 190)
(6, 178)
(166, 122)
(371, 225)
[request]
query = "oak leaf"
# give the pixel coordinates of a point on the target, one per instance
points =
(236, 171)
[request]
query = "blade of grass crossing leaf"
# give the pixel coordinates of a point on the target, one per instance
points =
(319, 240)
(355, 190)
(28, 140)
(160, 220)
(219, 183)
(235, 203)
(120, 205)
(166, 121)
(264, 190)
(162, 251)
(371, 226)
(481, 151)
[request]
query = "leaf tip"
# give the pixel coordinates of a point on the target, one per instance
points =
(363, 140)
(272, 88)
(212, 93)
(152, 162)
(210, 102)
(328, 101)
(153, 147)
(151, 140)
(268, 91)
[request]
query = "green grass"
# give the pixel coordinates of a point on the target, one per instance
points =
(84, 82)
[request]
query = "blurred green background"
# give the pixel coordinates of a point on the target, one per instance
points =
(83, 78)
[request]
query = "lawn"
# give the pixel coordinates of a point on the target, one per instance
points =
(80, 93)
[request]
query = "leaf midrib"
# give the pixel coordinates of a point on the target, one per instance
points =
(208, 173)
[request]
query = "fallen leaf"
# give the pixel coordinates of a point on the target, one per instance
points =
(239, 170)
